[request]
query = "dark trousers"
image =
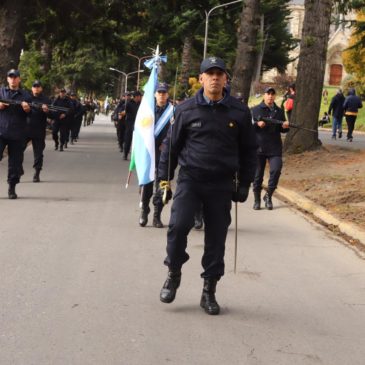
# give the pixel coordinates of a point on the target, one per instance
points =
(350, 120)
(275, 163)
(55, 131)
(38, 144)
(128, 139)
(147, 192)
(62, 127)
(216, 201)
(15, 158)
(75, 128)
(120, 134)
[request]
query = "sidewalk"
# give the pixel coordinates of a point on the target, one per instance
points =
(353, 234)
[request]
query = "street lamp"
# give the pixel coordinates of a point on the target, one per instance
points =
(207, 14)
(125, 75)
(139, 65)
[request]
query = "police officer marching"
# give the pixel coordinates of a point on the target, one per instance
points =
(270, 146)
(161, 107)
(13, 120)
(213, 140)
(36, 127)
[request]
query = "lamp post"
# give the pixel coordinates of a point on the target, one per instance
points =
(139, 65)
(125, 75)
(207, 14)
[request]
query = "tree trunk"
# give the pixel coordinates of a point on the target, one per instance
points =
(309, 83)
(244, 67)
(11, 35)
(186, 61)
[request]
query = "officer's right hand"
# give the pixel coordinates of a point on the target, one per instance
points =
(261, 124)
(166, 191)
(3, 106)
(241, 194)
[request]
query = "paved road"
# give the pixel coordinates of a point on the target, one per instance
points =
(79, 280)
(357, 143)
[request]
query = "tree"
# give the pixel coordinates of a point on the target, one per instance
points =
(246, 49)
(309, 83)
(11, 34)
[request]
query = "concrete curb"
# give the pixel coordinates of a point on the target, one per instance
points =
(322, 214)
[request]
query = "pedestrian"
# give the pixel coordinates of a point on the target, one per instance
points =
(289, 102)
(336, 109)
(269, 146)
(62, 121)
(351, 108)
(325, 96)
(76, 120)
(130, 114)
(213, 140)
(13, 122)
(119, 122)
(36, 127)
(163, 111)
(324, 120)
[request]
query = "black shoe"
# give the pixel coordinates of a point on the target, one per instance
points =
(11, 192)
(157, 222)
(257, 203)
(349, 139)
(61, 148)
(125, 158)
(208, 301)
(334, 137)
(143, 219)
(66, 145)
(36, 176)
(339, 134)
(56, 147)
(172, 283)
(268, 202)
(72, 141)
(198, 221)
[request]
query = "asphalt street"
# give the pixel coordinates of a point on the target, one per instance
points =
(80, 280)
(325, 135)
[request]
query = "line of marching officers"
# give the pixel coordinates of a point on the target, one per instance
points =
(24, 119)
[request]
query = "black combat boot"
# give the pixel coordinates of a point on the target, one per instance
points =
(36, 175)
(61, 148)
(56, 147)
(257, 203)
(11, 192)
(208, 301)
(267, 199)
(143, 218)
(157, 217)
(168, 291)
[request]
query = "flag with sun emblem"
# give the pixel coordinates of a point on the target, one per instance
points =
(143, 146)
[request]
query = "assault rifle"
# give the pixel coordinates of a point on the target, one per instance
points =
(280, 122)
(52, 108)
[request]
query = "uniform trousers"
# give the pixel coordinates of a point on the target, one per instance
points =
(15, 158)
(275, 163)
(216, 200)
(147, 192)
(128, 138)
(63, 128)
(38, 144)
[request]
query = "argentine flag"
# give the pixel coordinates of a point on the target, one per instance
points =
(143, 146)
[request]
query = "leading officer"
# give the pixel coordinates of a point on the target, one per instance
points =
(211, 139)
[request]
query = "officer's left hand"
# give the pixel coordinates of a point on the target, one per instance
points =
(286, 125)
(241, 194)
(25, 106)
(45, 108)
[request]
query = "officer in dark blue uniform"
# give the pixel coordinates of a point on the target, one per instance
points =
(78, 113)
(161, 105)
(212, 139)
(13, 121)
(36, 127)
(119, 122)
(270, 146)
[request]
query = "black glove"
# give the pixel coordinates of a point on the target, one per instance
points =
(241, 194)
(165, 191)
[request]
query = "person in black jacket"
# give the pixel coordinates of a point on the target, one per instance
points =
(36, 127)
(161, 106)
(119, 121)
(130, 113)
(351, 107)
(270, 146)
(213, 141)
(336, 109)
(63, 120)
(13, 121)
(78, 113)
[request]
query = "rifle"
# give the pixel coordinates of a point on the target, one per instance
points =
(33, 104)
(280, 122)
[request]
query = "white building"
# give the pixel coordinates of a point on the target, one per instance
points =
(338, 42)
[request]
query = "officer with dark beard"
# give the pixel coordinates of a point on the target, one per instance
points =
(213, 140)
